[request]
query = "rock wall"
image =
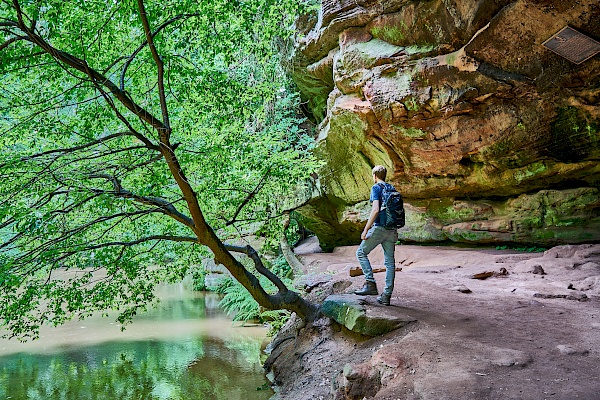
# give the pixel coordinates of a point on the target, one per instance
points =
(489, 136)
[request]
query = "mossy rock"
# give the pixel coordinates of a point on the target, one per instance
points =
(352, 312)
(574, 136)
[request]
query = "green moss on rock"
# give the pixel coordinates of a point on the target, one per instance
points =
(392, 34)
(419, 49)
(350, 311)
(530, 171)
(469, 236)
(573, 137)
(314, 91)
(350, 154)
(451, 214)
(413, 133)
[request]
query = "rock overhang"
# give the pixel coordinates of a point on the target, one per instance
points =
(461, 104)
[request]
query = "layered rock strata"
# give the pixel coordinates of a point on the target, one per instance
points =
(491, 137)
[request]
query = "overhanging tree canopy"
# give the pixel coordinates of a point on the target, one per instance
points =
(130, 132)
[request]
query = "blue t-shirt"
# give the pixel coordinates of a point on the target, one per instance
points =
(377, 194)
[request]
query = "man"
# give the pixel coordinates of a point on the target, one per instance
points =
(374, 234)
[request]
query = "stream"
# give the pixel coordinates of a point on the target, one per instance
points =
(185, 348)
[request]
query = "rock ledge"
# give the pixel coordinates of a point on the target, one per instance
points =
(353, 312)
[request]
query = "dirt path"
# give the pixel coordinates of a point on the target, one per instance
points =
(529, 332)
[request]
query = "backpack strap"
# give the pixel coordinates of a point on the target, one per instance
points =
(382, 186)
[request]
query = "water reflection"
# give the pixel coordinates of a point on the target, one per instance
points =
(184, 349)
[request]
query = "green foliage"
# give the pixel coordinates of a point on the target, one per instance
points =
(199, 278)
(276, 319)
(222, 285)
(241, 304)
(295, 232)
(238, 301)
(272, 230)
(87, 195)
(392, 34)
(527, 249)
(281, 267)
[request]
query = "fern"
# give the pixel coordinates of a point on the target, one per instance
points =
(280, 267)
(276, 319)
(223, 285)
(238, 301)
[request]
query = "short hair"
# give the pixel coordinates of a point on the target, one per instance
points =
(380, 172)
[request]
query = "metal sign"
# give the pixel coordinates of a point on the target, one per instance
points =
(572, 45)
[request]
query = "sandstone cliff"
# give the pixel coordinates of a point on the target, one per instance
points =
(490, 136)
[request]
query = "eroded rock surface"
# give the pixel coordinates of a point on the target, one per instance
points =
(350, 310)
(490, 136)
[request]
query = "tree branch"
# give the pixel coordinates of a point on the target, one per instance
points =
(28, 256)
(165, 206)
(81, 65)
(141, 46)
(166, 130)
(287, 251)
(8, 42)
(47, 100)
(68, 254)
(51, 107)
(81, 147)
(11, 24)
(260, 267)
(110, 102)
(189, 239)
(249, 197)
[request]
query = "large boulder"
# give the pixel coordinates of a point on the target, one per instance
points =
(489, 136)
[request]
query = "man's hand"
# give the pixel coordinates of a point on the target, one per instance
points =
(371, 221)
(363, 235)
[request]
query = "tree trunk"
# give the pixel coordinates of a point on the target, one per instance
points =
(288, 253)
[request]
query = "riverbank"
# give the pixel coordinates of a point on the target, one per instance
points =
(530, 330)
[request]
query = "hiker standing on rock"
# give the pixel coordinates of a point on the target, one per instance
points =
(387, 215)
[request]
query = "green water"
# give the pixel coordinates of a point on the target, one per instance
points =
(184, 349)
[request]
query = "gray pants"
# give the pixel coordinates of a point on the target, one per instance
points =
(387, 238)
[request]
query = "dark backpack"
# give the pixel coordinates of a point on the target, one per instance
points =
(392, 207)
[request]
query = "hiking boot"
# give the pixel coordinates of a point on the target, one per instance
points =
(384, 299)
(367, 289)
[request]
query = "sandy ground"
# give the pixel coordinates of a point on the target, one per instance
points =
(530, 331)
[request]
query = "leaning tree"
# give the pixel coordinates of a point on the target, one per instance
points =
(132, 132)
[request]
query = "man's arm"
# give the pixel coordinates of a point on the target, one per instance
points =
(371, 220)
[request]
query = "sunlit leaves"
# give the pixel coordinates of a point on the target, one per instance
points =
(86, 198)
